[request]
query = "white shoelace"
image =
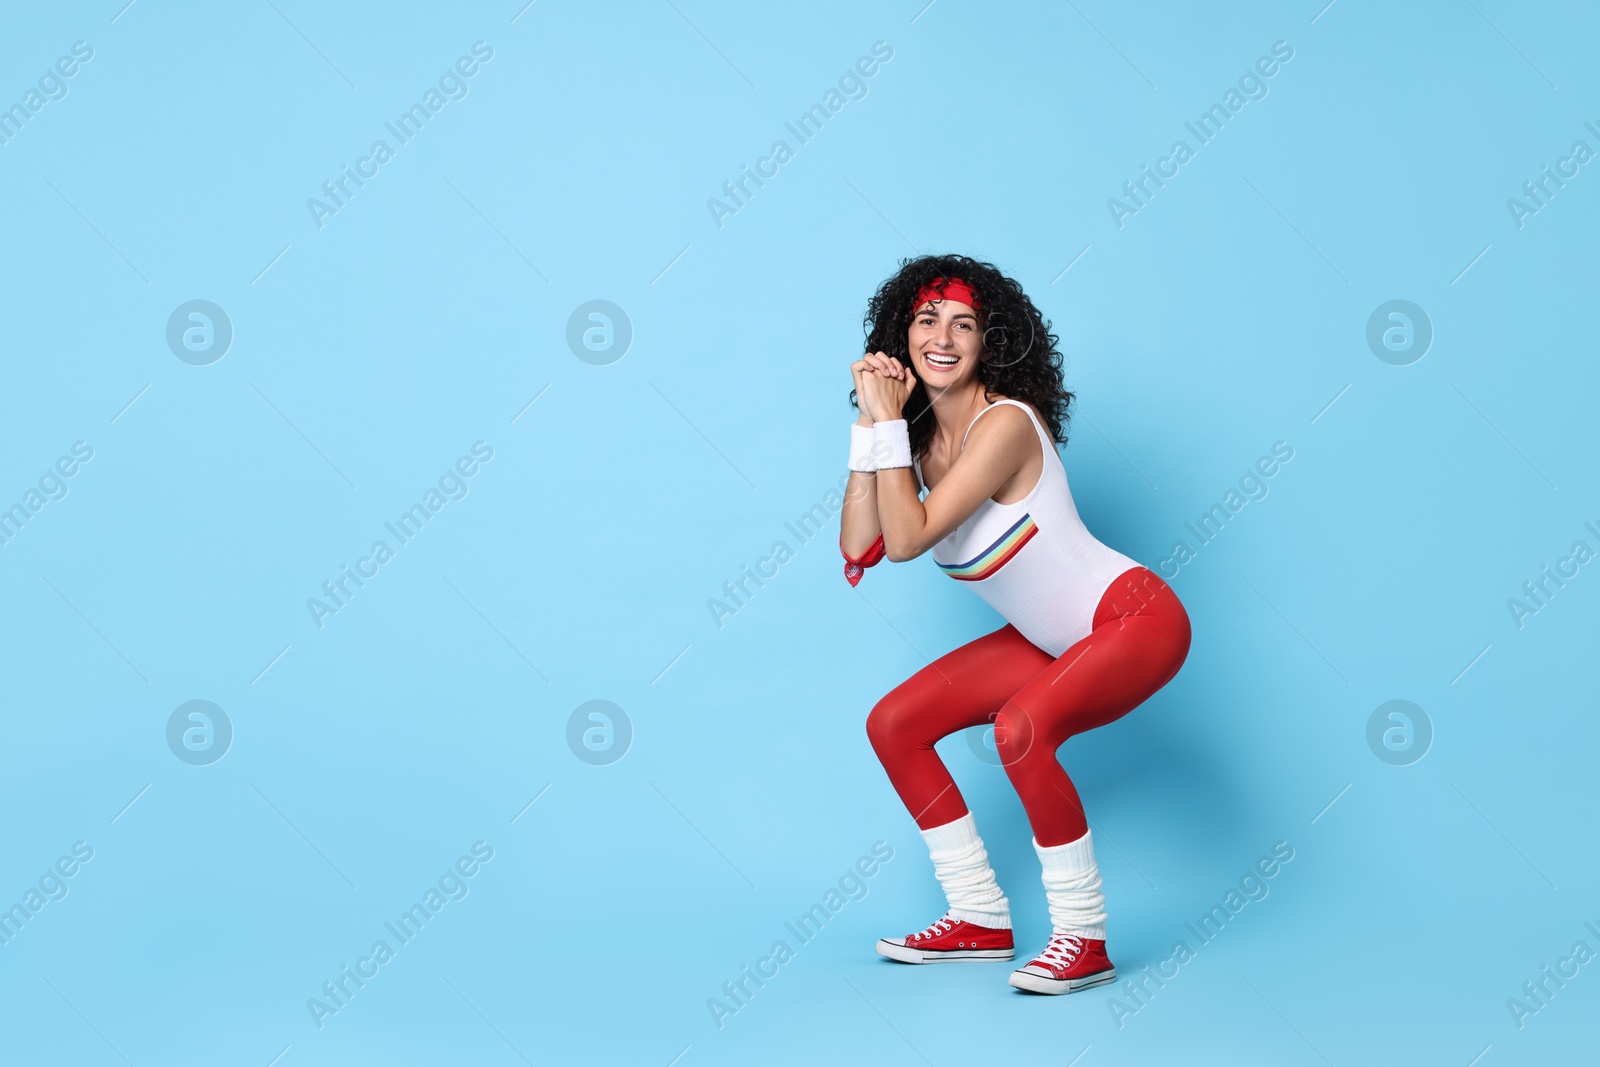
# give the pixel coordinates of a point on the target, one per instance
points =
(1062, 950)
(939, 926)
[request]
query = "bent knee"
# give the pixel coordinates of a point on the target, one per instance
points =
(894, 724)
(1177, 637)
(1015, 736)
(884, 724)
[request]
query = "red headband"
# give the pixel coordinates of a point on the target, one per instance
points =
(942, 288)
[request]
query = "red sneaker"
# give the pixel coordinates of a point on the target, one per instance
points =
(949, 939)
(1068, 963)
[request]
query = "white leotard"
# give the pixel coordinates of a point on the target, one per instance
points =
(1033, 560)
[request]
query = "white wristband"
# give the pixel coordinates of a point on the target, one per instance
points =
(861, 457)
(891, 443)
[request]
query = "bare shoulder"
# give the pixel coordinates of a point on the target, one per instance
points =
(1004, 423)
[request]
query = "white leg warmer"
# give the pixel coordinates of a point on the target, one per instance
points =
(961, 864)
(1072, 887)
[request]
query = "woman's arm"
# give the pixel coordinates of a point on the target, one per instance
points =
(858, 523)
(859, 528)
(996, 449)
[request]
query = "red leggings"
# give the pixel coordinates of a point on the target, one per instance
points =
(1139, 639)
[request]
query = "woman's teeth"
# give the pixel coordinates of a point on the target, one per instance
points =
(942, 361)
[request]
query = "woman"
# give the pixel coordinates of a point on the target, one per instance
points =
(961, 392)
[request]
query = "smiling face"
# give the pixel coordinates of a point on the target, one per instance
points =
(945, 341)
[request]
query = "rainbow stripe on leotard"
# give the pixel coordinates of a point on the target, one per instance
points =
(995, 556)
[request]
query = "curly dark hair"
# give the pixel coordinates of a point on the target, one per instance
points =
(1019, 357)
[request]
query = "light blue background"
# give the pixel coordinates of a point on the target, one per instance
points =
(426, 315)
